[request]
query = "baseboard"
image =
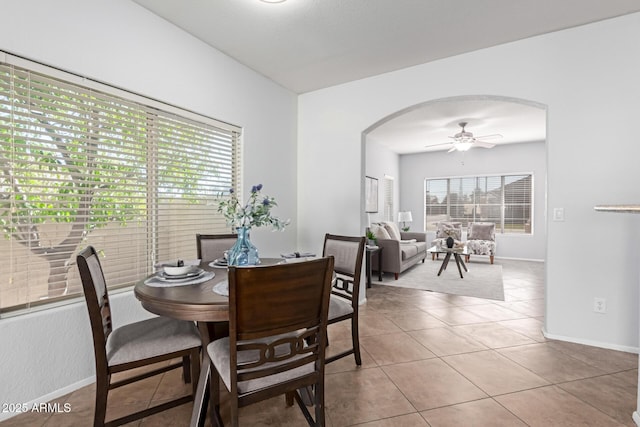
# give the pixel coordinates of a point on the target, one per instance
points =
(599, 344)
(517, 259)
(49, 397)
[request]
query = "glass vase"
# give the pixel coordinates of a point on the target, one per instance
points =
(243, 251)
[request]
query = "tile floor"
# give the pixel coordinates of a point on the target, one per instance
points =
(434, 360)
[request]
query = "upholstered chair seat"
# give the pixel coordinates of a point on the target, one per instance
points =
(481, 239)
(446, 229)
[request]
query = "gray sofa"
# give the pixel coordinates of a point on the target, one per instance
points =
(400, 251)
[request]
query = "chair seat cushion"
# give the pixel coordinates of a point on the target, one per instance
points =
(219, 355)
(339, 307)
(481, 247)
(410, 250)
(150, 338)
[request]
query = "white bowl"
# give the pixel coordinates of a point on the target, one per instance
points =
(177, 271)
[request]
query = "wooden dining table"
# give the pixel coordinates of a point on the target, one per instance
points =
(201, 304)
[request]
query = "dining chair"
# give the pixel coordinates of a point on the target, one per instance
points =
(212, 246)
(143, 343)
(277, 337)
(348, 253)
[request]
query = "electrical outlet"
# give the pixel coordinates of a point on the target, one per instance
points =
(558, 214)
(600, 305)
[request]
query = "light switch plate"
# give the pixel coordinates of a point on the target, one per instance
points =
(558, 214)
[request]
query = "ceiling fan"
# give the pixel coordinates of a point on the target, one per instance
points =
(464, 140)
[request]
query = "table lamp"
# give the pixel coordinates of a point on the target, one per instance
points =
(405, 217)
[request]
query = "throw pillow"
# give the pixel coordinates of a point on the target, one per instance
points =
(379, 231)
(451, 227)
(481, 231)
(392, 229)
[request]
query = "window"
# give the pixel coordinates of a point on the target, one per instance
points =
(504, 200)
(388, 198)
(86, 164)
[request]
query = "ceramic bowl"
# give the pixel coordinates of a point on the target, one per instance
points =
(177, 271)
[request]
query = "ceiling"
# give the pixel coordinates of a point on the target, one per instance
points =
(420, 128)
(306, 45)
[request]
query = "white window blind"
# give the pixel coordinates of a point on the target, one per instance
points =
(388, 198)
(504, 200)
(81, 166)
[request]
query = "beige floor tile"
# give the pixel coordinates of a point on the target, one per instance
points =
(394, 348)
(412, 320)
(363, 395)
(493, 335)
(534, 307)
(431, 383)
(410, 420)
(376, 324)
(530, 327)
(494, 373)
(479, 413)
(607, 393)
(609, 361)
(347, 363)
(550, 364)
(552, 406)
(445, 342)
(494, 312)
(456, 316)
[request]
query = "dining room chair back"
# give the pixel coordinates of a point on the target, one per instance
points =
(348, 252)
(134, 345)
(277, 336)
(212, 246)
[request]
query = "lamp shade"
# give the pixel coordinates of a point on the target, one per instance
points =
(405, 216)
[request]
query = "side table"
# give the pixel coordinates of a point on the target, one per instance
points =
(370, 251)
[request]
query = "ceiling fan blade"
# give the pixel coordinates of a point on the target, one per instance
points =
(438, 145)
(483, 144)
(452, 149)
(492, 136)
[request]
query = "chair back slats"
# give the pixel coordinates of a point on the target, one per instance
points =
(212, 246)
(278, 317)
(348, 252)
(97, 299)
(345, 253)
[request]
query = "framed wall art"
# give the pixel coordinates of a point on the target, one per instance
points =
(371, 194)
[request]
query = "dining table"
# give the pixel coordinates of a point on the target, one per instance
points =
(198, 303)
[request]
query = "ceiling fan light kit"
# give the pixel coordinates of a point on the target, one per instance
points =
(464, 141)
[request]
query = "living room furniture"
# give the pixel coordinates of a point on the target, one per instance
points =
(444, 230)
(457, 253)
(136, 345)
(348, 253)
(277, 337)
(370, 251)
(481, 239)
(402, 250)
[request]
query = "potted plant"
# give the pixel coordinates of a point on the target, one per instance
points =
(371, 238)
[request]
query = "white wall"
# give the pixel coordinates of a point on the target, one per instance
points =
(120, 43)
(381, 162)
(500, 160)
(588, 79)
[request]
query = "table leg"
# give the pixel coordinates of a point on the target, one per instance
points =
(445, 261)
(380, 264)
(458, 260)
(368, 267)
(201, 400)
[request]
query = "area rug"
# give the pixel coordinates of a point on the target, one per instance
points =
(481, 281)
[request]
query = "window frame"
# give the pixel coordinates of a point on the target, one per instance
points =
(151, 106)
(501, 227)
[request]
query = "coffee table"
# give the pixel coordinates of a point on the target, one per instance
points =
(456, 252)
